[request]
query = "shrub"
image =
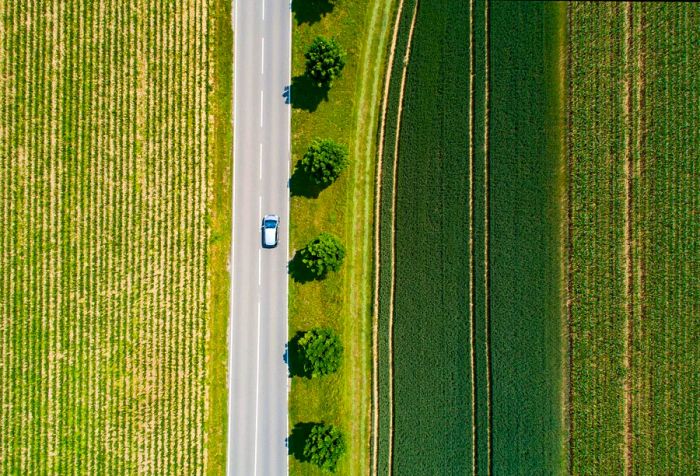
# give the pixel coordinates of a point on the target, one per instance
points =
(321, 352)
(324, 446)
(324, 161)
(325, 60)
(324, 253)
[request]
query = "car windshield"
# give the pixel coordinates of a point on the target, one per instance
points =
(270, 223)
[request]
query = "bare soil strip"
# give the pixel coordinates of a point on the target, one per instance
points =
(377, 203)
(472, 320)
(393, 236)
(627, 239)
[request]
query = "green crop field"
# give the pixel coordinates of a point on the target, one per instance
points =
(633, 252)
(431, 370)
(526, 155)
(114, 117)
(559, 334)
(470, 354)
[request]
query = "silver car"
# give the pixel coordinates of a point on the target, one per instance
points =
(270, 224)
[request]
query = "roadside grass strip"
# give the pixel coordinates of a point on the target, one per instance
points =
(105, 182)
(347, 113)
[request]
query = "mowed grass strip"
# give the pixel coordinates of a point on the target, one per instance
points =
(526, 152)
(219, 43)
(348, 114)
(431, 322)
(105, 248)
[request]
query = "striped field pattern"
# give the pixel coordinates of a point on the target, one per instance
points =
(104, 192)
(633, 165)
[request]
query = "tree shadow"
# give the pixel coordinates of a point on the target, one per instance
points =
(301, 185)
(305, 95)
(311, 11)
(296, 441)
(293, 357)
(298, 270)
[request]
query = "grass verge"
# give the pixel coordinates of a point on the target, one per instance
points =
(220, 152)
(347, 113)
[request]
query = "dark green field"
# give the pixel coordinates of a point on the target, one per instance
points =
(525, 147)
(431, 333)
(385, 237)
(516, 328)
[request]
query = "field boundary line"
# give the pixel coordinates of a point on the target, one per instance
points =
(472, 320)
(487, 297)
(567, 231)
(627, 238)
(377, 208)
(392, 289)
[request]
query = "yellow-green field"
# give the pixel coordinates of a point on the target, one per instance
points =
(633, 238)
(113, 122)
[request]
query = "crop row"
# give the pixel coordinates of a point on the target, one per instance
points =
(597, 187)
(104, 237)
(383, 429)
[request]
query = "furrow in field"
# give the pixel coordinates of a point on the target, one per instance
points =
(487, 255)
(628, 231)
(392, 288)
(56, 227)
(472, 256)
(568, 255)
(377, 247)
(5, 185)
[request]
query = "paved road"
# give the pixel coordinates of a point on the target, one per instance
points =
(258, 380)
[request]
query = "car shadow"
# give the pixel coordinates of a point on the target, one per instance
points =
(311, 11)
(306, 95)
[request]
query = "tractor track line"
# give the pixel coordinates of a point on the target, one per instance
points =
(393, 237)
(377, 206)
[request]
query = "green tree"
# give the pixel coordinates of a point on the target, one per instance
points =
(321, 352)
(324, 160)
(322, 254)
(324, 446)
(325, 60)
